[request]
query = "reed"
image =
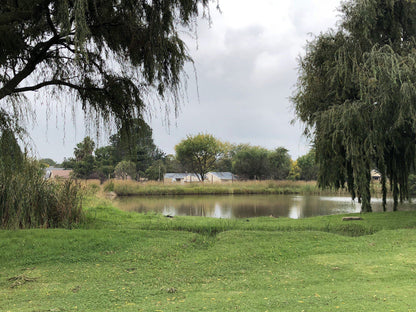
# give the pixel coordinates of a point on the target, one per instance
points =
(27, 200)
(133, 188)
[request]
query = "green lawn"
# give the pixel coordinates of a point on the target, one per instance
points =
(118, 261)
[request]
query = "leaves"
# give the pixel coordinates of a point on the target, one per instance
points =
(199, 153)
(110, 54)
(356, 92)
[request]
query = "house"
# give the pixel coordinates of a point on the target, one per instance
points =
(213, 177)
(192, 177)
(52, 172)
(174, 177)
(180, 177)
(220, 177)
(375, 175)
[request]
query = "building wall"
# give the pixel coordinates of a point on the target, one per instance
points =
(215, 179)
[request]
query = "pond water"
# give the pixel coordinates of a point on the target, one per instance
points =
(246, 206)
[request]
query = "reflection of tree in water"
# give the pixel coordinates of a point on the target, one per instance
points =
(238, 206)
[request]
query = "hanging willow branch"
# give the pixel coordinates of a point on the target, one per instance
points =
(357, 93)
(112, 55)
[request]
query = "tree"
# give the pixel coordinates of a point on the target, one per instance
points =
(109, 54)
(356, 93)
(84, 162)
(251, 162)
(11, 156)
(136, 144)
(279, 162)
(84, 149)
(156, 171)
(199, 153)
(308, 167)
(124, 169)
(225, 162)
(105, 162)
(85, 168)
(295, 171)
(47, 162)
(172, 164)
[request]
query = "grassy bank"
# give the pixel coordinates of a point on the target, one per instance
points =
(129, 188)
(120, 261)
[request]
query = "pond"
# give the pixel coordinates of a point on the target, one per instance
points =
(246, 206)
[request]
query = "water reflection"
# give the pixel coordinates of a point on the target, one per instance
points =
(245, 206)
(242, 206)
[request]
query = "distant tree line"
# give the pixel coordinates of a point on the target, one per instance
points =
(203, 153)
(129, 154)
(136, 156)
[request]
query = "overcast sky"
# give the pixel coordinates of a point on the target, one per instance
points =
(246, 64)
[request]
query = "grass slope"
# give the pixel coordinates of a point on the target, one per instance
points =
(120, 261)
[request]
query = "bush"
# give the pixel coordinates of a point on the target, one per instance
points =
(28, 200)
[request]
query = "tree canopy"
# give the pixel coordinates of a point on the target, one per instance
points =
(198, 154)
(136, 145)
(308, 167)
(133, 147)
(251, 162)
(356, 93)
(279, 163)
(109, 54)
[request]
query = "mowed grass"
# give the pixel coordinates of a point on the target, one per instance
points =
(120, 261)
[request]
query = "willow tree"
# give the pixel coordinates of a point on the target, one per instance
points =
(356, 93)
(110, 54)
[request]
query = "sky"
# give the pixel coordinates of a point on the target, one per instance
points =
(246, 63)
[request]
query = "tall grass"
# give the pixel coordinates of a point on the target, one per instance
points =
(129, 188)
(28, 200)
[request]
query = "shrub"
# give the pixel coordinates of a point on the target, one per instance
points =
(28, 200)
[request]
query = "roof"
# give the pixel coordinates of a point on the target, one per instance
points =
(175, 175)
(180, 175)
(223, 175)
(52, 172)
(375, 173)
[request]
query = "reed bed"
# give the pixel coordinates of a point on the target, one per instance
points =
(27, 200)
(132, 188)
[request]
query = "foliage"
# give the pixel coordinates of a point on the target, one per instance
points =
(251, 162)
(11, 157)
(156, 171)
(83, 164)
(308, 167)
(225, 162)
(27, 199)
(105, 162)
(295, 171)
(47, 162)
(356, 93)
(135, 147)
(279, 162)
(109, 54)
(84, 149)
(84, 169)
(199, 153)
(136, 144)
(172, 164)
(125, 169)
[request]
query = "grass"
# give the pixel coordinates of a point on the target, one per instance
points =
(27, 200)
(130, 188)
(121, 261)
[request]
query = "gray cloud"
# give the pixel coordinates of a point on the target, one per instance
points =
(246, 73)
